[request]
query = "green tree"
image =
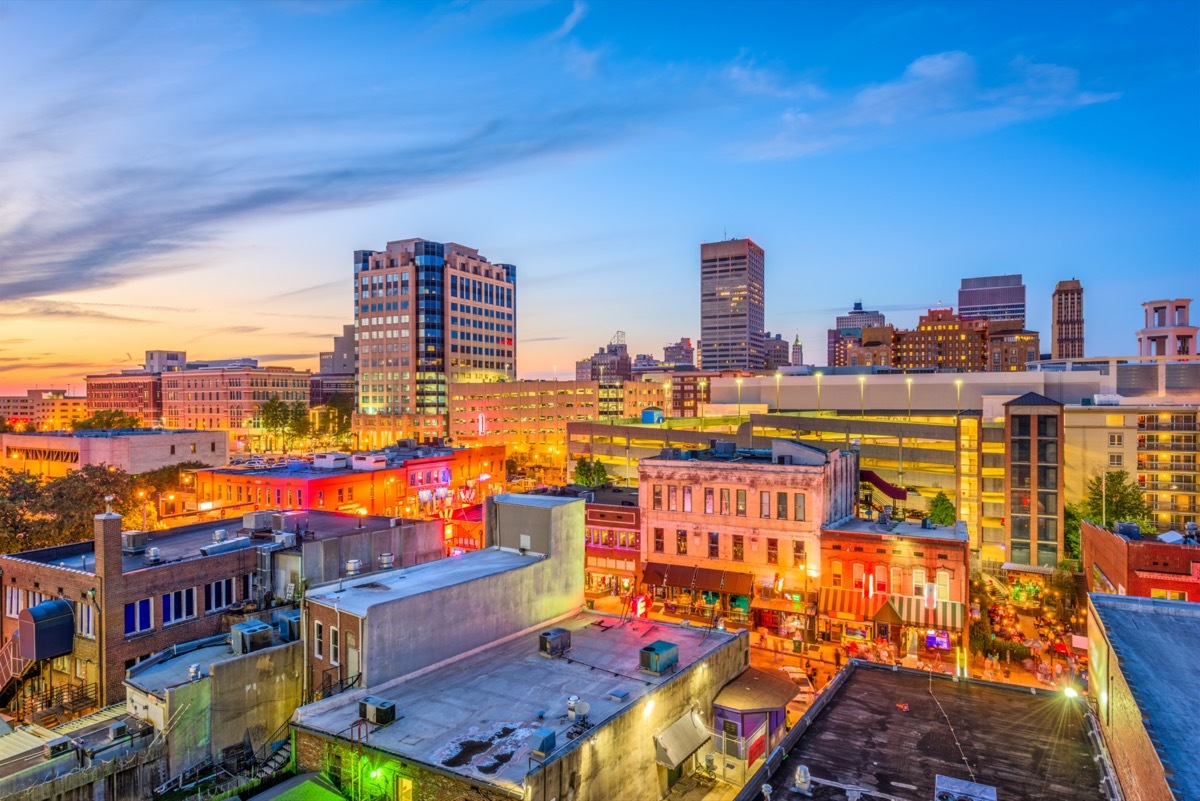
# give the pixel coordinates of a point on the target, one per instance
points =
(1071, 517)
(590, 473)
(108, 419)
(299, 425)
(941, 511)
(21, 521)
(275, 415)
(339, 415)
(1113, 497)
(70, 503)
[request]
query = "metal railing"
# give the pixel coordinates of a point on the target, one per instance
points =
(12, 664)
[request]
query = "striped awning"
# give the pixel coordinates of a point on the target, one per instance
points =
(945, 616)
(846, 604)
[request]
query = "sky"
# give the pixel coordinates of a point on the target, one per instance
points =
(196, 176)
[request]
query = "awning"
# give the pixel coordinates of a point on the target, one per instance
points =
(680, 740)
(679, 576)
(947, 615)
(1016, 567)
(738, 583)
(888, 614)
(850, 604)
(653, 573)
(708, 580)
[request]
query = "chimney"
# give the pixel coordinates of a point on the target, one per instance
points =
(107, 529)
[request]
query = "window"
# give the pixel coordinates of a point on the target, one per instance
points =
(896, 574)
(1116, 440)
(835, 573)
(681, 542)
(856, 575)
(1116, 460)
(739, 548)
(799, 503)
(1169, 595)
(404, 789)
(672, 498)
(80, 669)
(1047, 427)
(708, 500)
(687, 499)
(658, 540)
(918, 582)
(943, 585)
(138, 617)
(725, 501)
(246, 587)
(764, 504)
(12, 601)
(781, 505)
(772, 551)
(881, 582)
(714, 545)
(218, 595)
(657, 497)
(1047, 452)
(179, 605)
(335, 647)
(85, 620)
(319, 640)
(741, 503)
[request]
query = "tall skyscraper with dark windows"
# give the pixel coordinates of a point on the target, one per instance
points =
(731, 305)
(427, 314)
(993, 297)
(1066, 321)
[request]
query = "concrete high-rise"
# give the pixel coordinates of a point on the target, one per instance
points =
(427, 314)
(731, 305)
(994, 297)
(848, 332)
(1066, 321)
(1168, 331)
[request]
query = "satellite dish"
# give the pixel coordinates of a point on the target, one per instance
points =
(582, 708)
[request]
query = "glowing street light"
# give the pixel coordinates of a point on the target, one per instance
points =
(862, 396)
(908, 381)
(778, 375)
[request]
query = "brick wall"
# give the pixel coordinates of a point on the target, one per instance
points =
(1102, 549)
(350, 633)
(1164, 566)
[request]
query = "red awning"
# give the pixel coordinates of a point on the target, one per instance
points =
(708, 580)
(738, 583)
(653, 573)
(679, 576)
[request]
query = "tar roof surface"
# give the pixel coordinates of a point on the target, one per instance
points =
(1157, 643)
(173, 671)
(1032, 748)
(859, 525)
(359, 595)
(475, 715)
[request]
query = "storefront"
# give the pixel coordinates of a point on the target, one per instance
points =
(701, 592)
(848, 616)
(936, 627)
(788, 616)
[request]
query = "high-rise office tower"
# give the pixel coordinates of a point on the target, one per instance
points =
(427, 314)
(1066, 321)
(994, 297)
(731, 305)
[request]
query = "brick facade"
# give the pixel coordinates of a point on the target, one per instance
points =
(1145, 568)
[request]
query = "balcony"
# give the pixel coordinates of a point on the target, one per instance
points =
(1170, 486)
(1175, 447)
(1186, 426)
(1154, 466)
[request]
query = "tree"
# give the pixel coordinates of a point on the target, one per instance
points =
(108, 419)
(299, 425)
(21, 522)
(340, 415)
(589, 473)
(274, 415)
(1114, 497)
(1072, 514)
(941, 511)
(70, 503)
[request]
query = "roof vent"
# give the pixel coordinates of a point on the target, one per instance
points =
(946, 788)
(117, 730)
(194, 671)
(618, 695)
(554, 642)
(386, 561)
(152, 555)
(353, 567)
(134, 542)
(542, 742)
(219, 535)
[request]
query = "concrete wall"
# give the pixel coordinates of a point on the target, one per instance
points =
(618, 760)
(190, 734)
(411, 544)
(415, 632)
(257, 692)
(113, 775)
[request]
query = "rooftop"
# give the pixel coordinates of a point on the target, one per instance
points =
(358, 595)
(861, 525)
(22, 748)
(889, 733)
(178, 544)
(106, 433)
(304, 468)
(170, 668)
(1156, 643)
(475, 716)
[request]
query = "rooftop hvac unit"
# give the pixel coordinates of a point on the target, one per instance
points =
(329, 461)
(554, 642)
(289, 625)
(726, 449)
(249, 636)
(256, 521)
(56, 747)
(658, 656)
(946, 788)
(374, 709)
(219, 535)
(118, 730)
(152, 555)
(285, 521)
(1130, 531)
(286, 538)
(134, 541)
(542, 742)
(223, 547)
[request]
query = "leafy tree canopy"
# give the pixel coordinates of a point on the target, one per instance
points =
(941, 511)
(107, 419)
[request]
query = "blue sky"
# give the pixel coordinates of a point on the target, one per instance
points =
(197, 175)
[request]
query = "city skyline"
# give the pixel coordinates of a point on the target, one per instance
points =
(207, 194)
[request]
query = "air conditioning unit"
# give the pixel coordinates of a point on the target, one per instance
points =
(256, 521)
(134, 541)
(152, 555)
(249, 636)
(554, 642)
(946, 788)
(56, 747)
(286, 538)
(658, 657)
(117, 730)
(542, 742)
(374, 709)
(219, 535)
(286, 521)
(289, 625)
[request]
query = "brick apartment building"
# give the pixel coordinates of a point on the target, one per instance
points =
(230, 399)
(138, 394)
(1145, 564)
(893, 581)
(736, 531)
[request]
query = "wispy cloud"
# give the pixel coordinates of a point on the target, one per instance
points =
(227, 329)
(578, 12)
(283, 357)
(40, 309)
(937, 96)
(327, 286)
(749, 77)
(13, 365)
(541, 339)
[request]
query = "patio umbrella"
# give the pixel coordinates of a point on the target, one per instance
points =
(1034, 645)
(1060, 648)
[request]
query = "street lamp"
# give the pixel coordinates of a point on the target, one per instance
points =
(958, 395)
(700, 401)
(862, 396)
(908, 381)
(739, 386)
(778, 375)
(145, 504)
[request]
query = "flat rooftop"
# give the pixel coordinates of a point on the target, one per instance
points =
(170, 669)
(105, 433)
(22, 748)
(475, 716)
(884, 733)
(304, 468)
(860, 525)
(358, 595)
(179, 544)
(1156, 643)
